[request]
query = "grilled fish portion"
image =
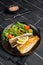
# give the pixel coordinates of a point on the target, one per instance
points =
(28, 45)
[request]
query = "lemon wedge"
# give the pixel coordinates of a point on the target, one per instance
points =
(22, 40)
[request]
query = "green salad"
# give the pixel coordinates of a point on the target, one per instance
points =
(16, 30)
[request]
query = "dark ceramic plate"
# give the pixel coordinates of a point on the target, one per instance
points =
(14, 51)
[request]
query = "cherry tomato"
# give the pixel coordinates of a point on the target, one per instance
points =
(9, 36)
(26, 27)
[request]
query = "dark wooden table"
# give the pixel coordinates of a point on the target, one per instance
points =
(31, 11)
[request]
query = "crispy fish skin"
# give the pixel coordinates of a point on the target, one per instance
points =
(28, 45)
(13, 39)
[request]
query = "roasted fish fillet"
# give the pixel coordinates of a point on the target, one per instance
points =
(28, 45)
